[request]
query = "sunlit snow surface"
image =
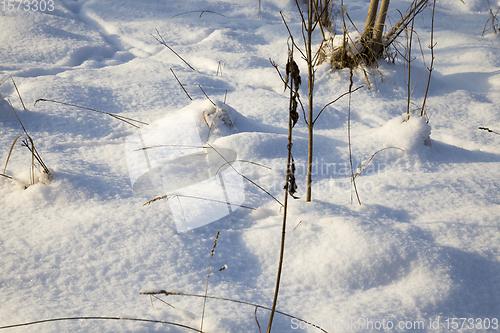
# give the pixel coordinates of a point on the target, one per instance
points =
(424, 245)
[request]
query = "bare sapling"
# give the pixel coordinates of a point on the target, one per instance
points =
(312, 61)
(292, 82)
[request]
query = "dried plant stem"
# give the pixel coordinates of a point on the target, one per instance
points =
(336, 99)
(208, 277)
(353, 180)
(221, 64)
(171, 293)
(494, 20)
(431, 46)
(288, 179)
(225, 159)
(4, 175)
(363, 165)
(409, 69)
(100, 318)
(257, 319)
(170, 196)
(32, 171)
(180, 84)
(206, 95)
(245, 177)
(17, 90)
(287, 85)
(415, 9)
(32, 149)
(199, 11)
(162, 42)
(121, 118)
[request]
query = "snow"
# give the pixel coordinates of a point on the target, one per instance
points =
(423, 246)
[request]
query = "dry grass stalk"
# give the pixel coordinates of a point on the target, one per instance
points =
(32, 164)
(206, 95)
(170, 196)
(100, 318)
(160, 40)
(423, 111)
(353, 179)
(17, 90)
(180, 84)
(221, 64)
(292, 74)
(172, 293)
(257, 319)
(364, 164)
(28, 143)
(198, 11)
(113, 115)
(208, 277)
(493, 20)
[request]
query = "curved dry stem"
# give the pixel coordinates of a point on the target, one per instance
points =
(101, 318)
(364, 165)
(170, 293)
(169, 196)
(121, 118)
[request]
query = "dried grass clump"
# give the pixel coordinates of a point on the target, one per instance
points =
(492, 21)
(344, 56)
(36, 160)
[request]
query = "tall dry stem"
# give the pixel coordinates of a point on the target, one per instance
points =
(208, 277)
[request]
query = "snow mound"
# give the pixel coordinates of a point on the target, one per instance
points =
(411, 134)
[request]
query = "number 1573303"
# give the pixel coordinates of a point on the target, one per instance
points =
(27, 5)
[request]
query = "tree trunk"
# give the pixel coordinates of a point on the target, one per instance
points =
(370, 21)
(378, 45)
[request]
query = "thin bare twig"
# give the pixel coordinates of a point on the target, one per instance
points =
(180, 84)
(114, 115)
(206, 95)
(162, 42)
(208, 277)
(409, 67)
(242, 175)
(17, 90)
(363, 165)
(349, 92)
(169, 196)
(431, 46)
(197, 11)
(291, 37)
(353, 180)
(244, 161)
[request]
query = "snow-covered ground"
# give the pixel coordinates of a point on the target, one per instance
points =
(423, 247)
